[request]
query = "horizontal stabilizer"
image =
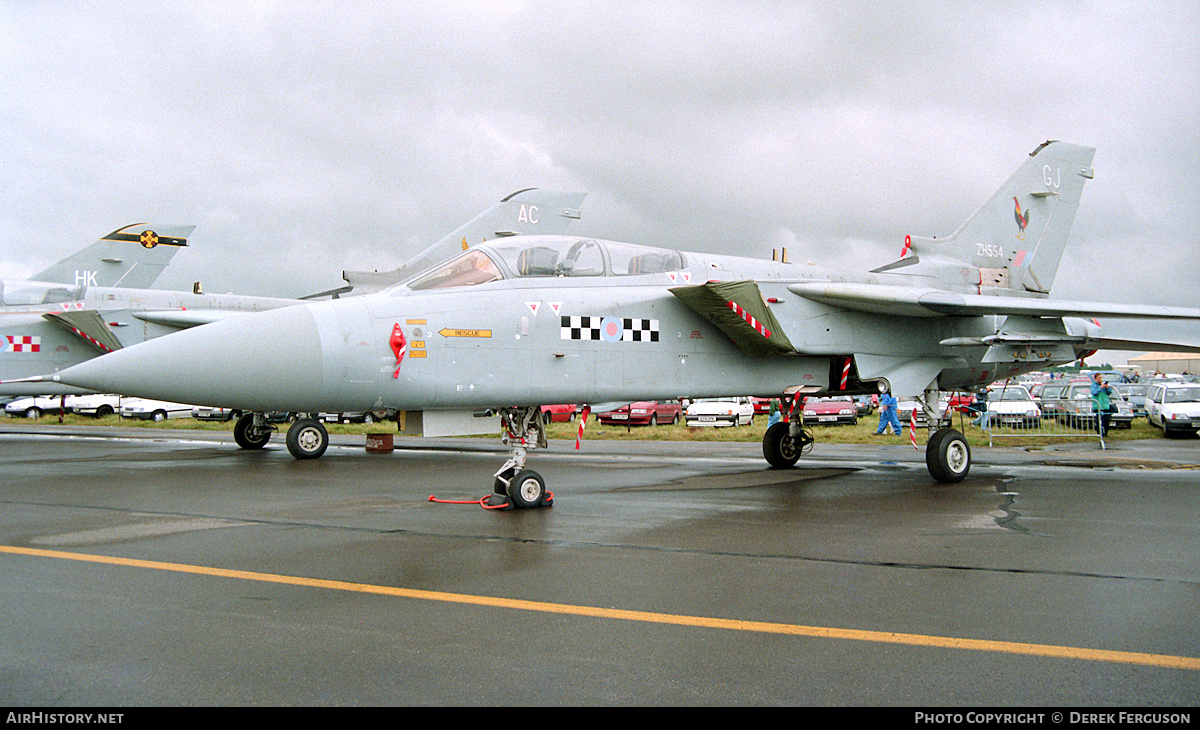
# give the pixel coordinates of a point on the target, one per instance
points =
(88, 326)
(737, 309)
(903, 301)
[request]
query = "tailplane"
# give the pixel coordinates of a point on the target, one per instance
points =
(1014, 243)
(132, 257)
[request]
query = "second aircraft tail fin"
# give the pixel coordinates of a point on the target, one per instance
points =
(131, 257)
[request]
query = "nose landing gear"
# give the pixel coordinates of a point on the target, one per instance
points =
(514, 485)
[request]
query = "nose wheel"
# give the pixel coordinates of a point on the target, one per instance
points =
(514, 486)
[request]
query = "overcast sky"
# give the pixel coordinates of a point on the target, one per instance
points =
(306, 138)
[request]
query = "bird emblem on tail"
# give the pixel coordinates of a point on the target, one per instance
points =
(1022, 219)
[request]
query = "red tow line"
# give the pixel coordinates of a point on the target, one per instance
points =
(482, 501)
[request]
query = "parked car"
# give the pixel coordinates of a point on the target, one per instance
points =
(1136, 394)
(560, 413)
(34, 406)
(96, 406)
(762, 406)
(1077, 408)
(373, 416)
(1047, 396)
(146, 409)
(643, 413)
(960, 402)
(905, 408)
(733, 411)
(865, 404)
(1012, 405)
(1175, 408)
(208, 413)
(833, 410)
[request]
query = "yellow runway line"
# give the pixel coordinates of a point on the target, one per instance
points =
(883, 637)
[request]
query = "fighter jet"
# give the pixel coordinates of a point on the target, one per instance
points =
(522, 321)
(90, 303)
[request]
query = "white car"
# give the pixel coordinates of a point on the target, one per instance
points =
(720, 412)
(35, 406)
(97, 406)
(1175, 408)
(145, 409)
(1012, 405)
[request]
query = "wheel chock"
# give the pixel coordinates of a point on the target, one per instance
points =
(498, 501)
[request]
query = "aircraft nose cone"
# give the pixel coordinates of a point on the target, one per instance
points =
(255, 361)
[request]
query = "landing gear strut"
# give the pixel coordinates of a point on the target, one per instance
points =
(514, 485)
(947, 453)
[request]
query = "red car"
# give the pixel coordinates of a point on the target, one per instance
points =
(831, 411)
(763, 405)
(643, 413)
(561, 413)
(960, 402)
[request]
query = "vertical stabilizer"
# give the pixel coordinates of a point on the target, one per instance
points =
(131, 257)
(1016, 240)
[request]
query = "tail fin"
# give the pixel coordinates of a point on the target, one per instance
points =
(1016, 239)
(131, 257)
(526, 211)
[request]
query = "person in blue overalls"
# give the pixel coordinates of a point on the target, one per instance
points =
(887, 414)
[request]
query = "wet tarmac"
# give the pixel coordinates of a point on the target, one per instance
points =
(158, 567)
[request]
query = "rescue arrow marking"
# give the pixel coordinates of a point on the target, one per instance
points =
(446, 332)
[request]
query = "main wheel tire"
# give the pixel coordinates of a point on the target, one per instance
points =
(780, 448)
(245, 437)
(307, 439)
(948, 456)
(526, 489)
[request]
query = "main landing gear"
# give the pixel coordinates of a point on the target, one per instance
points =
(514, 485)
(306, 437)
(784, 442)
(947, 454)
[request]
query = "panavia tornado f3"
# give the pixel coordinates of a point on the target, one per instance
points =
(523, 321)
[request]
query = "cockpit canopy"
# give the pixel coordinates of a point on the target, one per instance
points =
(37, 292)
(545, 256)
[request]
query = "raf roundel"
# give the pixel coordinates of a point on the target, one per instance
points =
(611, 330)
